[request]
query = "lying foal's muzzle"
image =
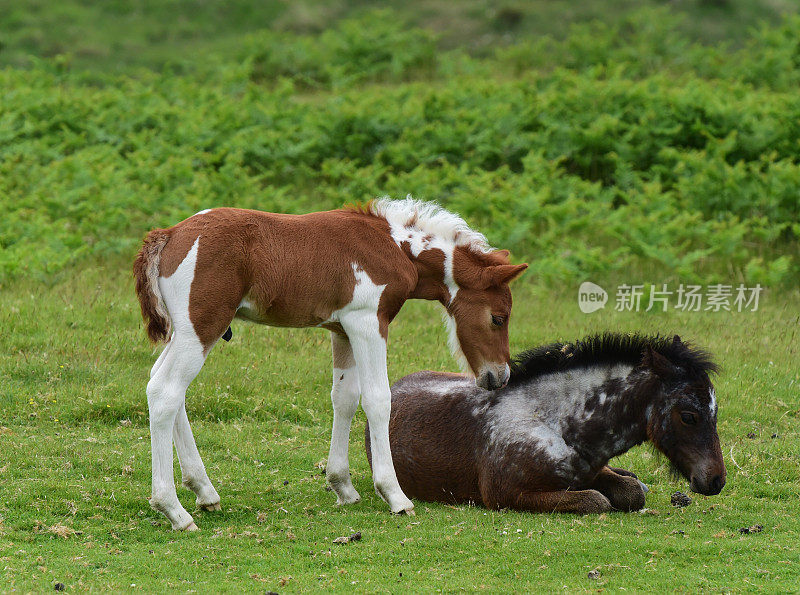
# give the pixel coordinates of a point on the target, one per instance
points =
(708, 487)
(708, 477)
(494, 377)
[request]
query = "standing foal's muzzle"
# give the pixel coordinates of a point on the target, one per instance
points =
(492, 379)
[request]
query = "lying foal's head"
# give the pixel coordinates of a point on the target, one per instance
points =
(479, 313)
(683, 420)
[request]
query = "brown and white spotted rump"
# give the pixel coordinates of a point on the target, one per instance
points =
(348, 271)
(543, 443)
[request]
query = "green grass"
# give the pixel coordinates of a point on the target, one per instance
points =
(75, 473)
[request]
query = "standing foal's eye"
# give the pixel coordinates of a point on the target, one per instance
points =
(498, 320)
(688, 418)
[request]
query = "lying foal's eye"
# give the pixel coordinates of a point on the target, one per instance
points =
(498, 320)
(688, 418)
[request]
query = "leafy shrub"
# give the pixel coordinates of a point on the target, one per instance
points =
(374, 47)
(606, 158)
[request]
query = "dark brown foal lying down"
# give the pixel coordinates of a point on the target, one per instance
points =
(543, 443)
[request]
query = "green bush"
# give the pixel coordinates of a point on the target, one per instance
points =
(376, 47)
(591, 156)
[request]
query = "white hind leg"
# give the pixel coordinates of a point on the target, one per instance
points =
(160, 360)
(166, 392)
(344, 395)
(192, 469)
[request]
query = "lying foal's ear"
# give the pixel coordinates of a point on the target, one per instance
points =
(502, 273)
(661, 366)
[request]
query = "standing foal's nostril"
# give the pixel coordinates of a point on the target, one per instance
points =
(491, 381)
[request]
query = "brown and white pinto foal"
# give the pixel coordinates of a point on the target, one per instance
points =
(348, 271)
(543, 443)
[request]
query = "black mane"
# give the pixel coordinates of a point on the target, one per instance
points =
(608, 348)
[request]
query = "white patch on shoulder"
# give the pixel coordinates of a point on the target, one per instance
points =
(366, 296)
(712, 405)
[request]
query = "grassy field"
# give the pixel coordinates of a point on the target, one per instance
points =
(75, 466)
(594, 142)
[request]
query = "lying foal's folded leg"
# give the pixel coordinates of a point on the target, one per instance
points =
(627, 473)
(579, 501)
(625, 492)
(623, 472)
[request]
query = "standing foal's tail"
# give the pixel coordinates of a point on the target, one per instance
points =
(145, 270)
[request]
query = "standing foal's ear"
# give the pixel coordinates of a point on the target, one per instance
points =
(502, 273)
(661, 366)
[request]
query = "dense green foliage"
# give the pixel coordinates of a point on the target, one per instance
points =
(117, 35)
(621, 148)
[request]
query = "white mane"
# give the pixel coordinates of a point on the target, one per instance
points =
(429, 218)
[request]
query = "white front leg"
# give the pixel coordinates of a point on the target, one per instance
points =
(369, 351)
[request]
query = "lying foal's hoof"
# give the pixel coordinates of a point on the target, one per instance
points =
(629, 496)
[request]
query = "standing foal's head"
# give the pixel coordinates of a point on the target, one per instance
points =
(683, 422)
(478, 315)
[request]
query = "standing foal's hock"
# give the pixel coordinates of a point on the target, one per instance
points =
(348, 271)
(543, 443)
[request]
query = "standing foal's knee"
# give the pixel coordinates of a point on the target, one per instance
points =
(163, 402)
